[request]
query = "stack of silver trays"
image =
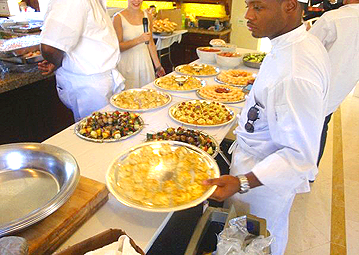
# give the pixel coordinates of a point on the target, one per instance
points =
(18, 50)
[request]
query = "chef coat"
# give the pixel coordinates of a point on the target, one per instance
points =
(291, 93)
(339, 32)
(84, 30)
(88, 75)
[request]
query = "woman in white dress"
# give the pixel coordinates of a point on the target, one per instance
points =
(139, 61)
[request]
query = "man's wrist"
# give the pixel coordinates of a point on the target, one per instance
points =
(158, 68)
(243, 184)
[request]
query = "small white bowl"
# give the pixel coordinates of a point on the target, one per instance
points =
(228, 61)
(228, 48)
(207, 54)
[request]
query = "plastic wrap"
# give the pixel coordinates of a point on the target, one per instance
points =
(236, 240)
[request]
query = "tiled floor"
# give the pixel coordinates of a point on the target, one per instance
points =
(310, 218)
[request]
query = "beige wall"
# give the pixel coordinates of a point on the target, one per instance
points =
(240, 35)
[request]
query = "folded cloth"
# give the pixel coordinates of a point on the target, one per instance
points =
(121, 247)
(13, 245)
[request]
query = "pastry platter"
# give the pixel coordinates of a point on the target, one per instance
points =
(204, 113)
(235, 77)
(162, 176)
(223, 93)
(179, 83)
(197, 138)
(198, 70)
(140, 100)
(109, 126)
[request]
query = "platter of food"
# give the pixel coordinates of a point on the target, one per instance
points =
(197, 138)
(201, 113)
(235, 77)
(199, 70)
(140, 100)
(164, 26)
(253, 60)
(179, 83)
(162, 176)
(109, 126)
(222, 93)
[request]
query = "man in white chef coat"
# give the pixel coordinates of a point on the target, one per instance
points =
(278, 133)
(79, 42)
(338, 30)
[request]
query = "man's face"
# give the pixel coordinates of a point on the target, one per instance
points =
(266, 18)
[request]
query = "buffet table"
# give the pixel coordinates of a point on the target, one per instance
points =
(94, 159)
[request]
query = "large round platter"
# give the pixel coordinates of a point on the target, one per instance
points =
(234, 77)
(133, 95)
(35, 180)
(221, 82)
(197, 138)
(219, 100)
(162, 176)
(157, 83)
(179, 70)
(172, 112)
(137, 126)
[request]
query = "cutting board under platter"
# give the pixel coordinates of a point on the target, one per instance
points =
(47, 235)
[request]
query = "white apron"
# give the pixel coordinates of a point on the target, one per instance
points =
(262, 201)
(84, 94)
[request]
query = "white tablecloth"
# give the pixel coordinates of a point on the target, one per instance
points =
(94, 159)
(165, 41)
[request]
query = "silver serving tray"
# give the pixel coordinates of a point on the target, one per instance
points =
(215, 153)
(35, 180)
(111, 140)
(256, 65)
(223, 102)
(177, 69)
(203, 83)
(173, 108)
(24, 60)
(26, 44)
(111, 176)
(112, 100)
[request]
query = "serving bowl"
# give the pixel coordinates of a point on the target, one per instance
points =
(207, 54)
(228, 59)
(35, 180)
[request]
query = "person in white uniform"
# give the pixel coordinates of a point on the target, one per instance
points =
(338, 30)
(138, 59)
(79, 41)
(278, 133)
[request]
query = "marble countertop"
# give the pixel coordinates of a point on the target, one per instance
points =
(10, 81)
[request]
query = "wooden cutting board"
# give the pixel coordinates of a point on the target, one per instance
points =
(47, 235)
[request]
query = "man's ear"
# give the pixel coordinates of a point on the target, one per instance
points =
(290, 6)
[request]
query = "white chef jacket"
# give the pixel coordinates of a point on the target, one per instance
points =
(291, 91)
(339, 32)
(84, 30)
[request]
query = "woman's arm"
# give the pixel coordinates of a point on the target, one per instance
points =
(153, 52)
(125, 45)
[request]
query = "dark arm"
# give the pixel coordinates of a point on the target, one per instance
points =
(52, 54)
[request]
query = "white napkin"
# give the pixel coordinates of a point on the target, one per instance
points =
(121, 247)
